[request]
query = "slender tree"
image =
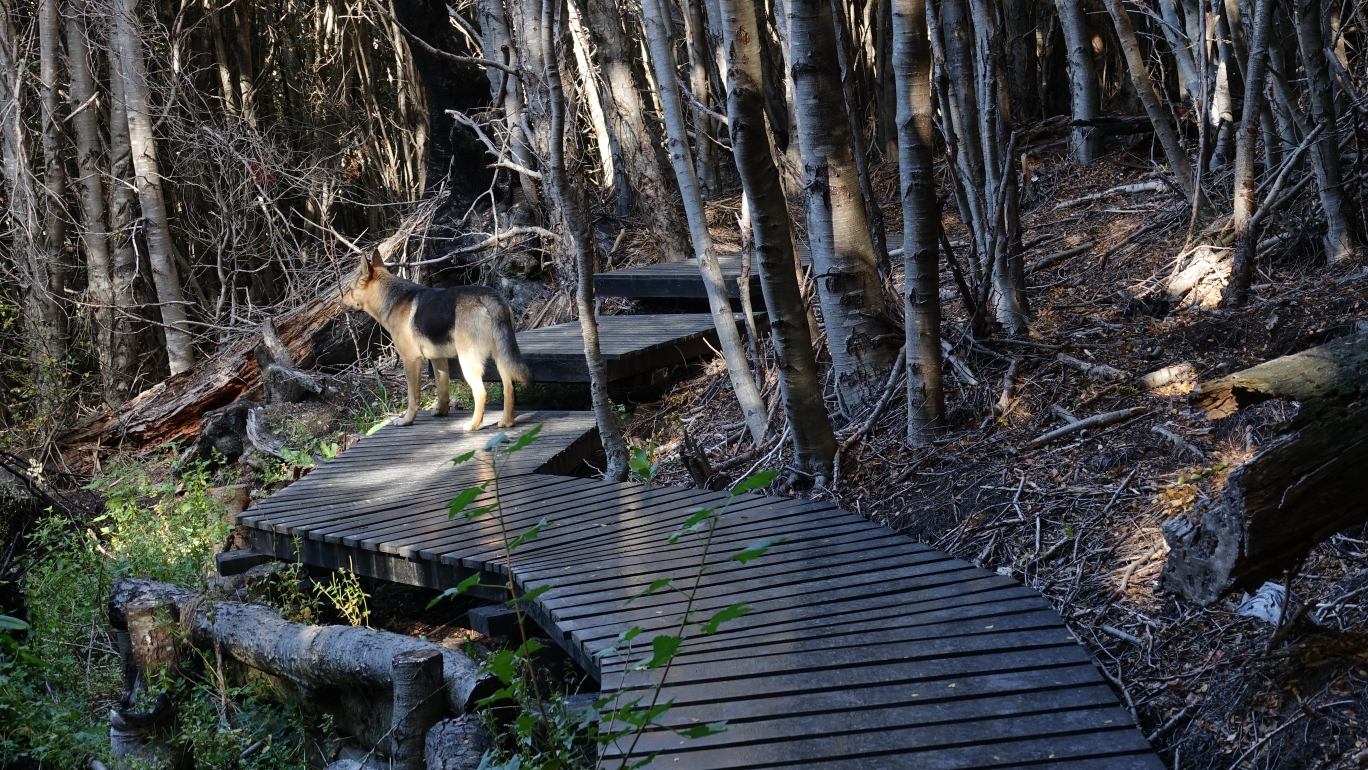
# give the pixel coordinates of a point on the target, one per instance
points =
(1339, 229)
(862, 341)
(921, 221)
(733, 349)
(570, 199)
(161, 248)
(1085, 145)
(1246, 236)
(814, 440)
(1144, 88)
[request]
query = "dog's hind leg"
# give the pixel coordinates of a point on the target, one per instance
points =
(413, 372)
(443, 387)
(472, 368)
(507, 378)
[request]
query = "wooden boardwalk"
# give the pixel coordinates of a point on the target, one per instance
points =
(678, 280)
(863, 650)
(632, 345)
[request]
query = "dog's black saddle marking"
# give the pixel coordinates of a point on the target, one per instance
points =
(434, 314)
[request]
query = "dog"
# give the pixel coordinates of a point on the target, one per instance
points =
(468, 323)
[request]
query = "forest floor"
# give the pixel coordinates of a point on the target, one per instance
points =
(1080, 520)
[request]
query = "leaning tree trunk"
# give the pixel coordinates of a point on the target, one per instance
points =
(628, 114)
(1246, 185)
(733, 349)
(161, 247)
(921, 222)
(1339, 235)
(862, 341)
(570, 200)
(115, 373)
(1144, 88)
(814, 441)
(1179, 45)
(1299, 489)
(1086, 144)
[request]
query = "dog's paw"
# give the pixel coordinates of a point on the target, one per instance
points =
(442, 413)
(405, 421)
(473, 427)
(505, 423)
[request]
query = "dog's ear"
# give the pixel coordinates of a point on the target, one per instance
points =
(376, 261)
(366, 271)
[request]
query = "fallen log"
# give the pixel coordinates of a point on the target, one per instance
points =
(1297, 490)
(312, 656)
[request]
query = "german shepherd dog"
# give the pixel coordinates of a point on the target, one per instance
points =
(468, 323)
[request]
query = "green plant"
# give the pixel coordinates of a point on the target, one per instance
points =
(297, 457)
(344, 590)
(545, 734)
(643, 463)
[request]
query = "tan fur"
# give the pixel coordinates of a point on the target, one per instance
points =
(475, 324)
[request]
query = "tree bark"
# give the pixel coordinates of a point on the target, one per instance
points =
(161, 247)
(850, 92)
(593, 99)
(1339, 229)
(1020, 27)
(1246, 185)
(569, 199)
(733, 349)
(1296, 491)
(627, 111)
(123, 268)
(705, 128)
(814, 440)
(1086, 143)
(1144, 88)
(115, 373)
(862, 341)
(921, 222)
(507, 90)
(1181, 46)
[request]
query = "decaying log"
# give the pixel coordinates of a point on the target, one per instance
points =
(281, 381)
(313, 656)
(457, 744)
(1297, 490)
(171, 410)
(418, 705)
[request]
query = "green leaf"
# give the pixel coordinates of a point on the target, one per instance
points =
(501, 664)
(463, 458)
(498, 696)
(663, 649)
(497, 440)
(703, 731)
(755, 550)
(693, 523)
(530, 534)
(757, 481)
(464, 499)
(475, 513)
(524, 440)
(530, 595)
(465, 585)
(655, 585)
(638, 464)
(527, 648)
(622, 638)
(8, 623)
(372, 430)
(730, 613)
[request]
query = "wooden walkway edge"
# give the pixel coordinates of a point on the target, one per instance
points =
(863, 649)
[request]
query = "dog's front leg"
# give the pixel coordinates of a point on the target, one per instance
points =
(413, 371)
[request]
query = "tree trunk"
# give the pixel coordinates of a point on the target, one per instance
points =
(1246, 185)
(570, 200)
(850, 93)
(42, 315)
(507, 90)
(54, 186)
(705, 128)
(161, 247)
(1339, 234)
(1296, 491)
(115, 375)
(814, 441)
(123, 214)
(1086, 143)
(1019, 27)
(1144, 88)
(733, 349)
(862, 342)
(627, 112)
(921, 222)
(1182, 47)
(593, 99)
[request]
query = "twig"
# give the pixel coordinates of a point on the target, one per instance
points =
(1092, 371)
(1169, 725)
(1123, 636)
(890, 388)
(451, 57)
(1026, 343)
(1155, 186)
(1004, 402)
(1058, 256)
(1266, 739)
(489, 242)
(1096, 421)
(1178, 441)
(698, 103)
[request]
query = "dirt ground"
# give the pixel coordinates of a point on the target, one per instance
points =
(1079, 520)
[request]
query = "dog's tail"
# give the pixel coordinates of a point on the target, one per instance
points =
(507, 356)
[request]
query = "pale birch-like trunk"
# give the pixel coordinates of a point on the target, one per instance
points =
(733, 349)
(849, 92)
(123, 214)
(1086, 142)
(814, 440)
(507, 90)
(650, 182)
(115, 374)
(569, 197)
(921, 222)
(1144, 88)
(1339, 230)
(593, 98)
(705, 128)
(1181, 46)
(1246, 184)
(161, 248)
(862, 342)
